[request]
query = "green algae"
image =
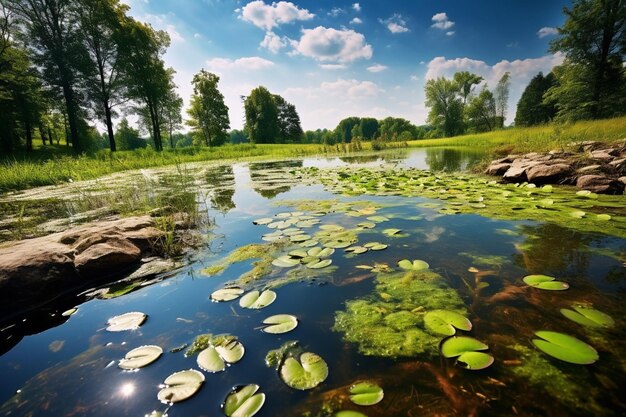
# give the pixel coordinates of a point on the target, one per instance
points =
(390, 322)
(203, 341)
(485, 260)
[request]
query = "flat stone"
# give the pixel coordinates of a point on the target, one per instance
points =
(497, 168)
(600, 184)
(622, 180)
(108, 258)
(543, 174)
(588, 168)
(517, 171)
(618, 163)
(602, 154)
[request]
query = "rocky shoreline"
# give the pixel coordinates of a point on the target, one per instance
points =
(590, 165)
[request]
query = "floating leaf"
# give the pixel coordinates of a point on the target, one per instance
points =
(457, 345)
(127, 321)
(366, 393)
(256, 300)
(392, 232)
(446, 322)
(375, 246)
(578, 214)
(378, 219)
(320, 253)
(210, 360)
(545, 282)
(309, 243)
(566, 348)
(243, 401)
(226, 294)
(416, 265)
(280, 323)
(264, 220)
(366, 225)
(349, 413)
(475, 360)
(331, 228)
(588, 317)
(319, 264)
(140, 357)
(310, 371)
(230, 350)
(69, 312)
(337, 244)
(356, 249)
(300, 238)
(181, 385)
(285, 262)
(604, 217)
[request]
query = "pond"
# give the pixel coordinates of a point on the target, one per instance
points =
(381, 262)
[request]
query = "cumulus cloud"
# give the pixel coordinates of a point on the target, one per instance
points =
(377, 68)
(442, 22)
(450, 33)
(251, 63)
(273, 42)
(356, 21)
(333, 66)
(395, 24)
(347, 89)
(547, 31)
(521, 70)
(336, 11)
(356, 7)
(268, 16)
(332, 45)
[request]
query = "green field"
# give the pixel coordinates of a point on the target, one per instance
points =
(53, 164)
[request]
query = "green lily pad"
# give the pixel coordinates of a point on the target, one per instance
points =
(331, 228)
(126, 321)
(457, 345)
(319, 264)
(299, 238)
(69, 312)
(366, 393)
(230, 350)
(255, 299)
(280, 323)
(349, 413)
(577, 214)
(298, 253)
(604, 217)
(392, 232)
(375, 246)
(588, 317)
(263, 221)
(243, 401)
(310, 371)
(566, 348)
(446, 322)
(285, 261)
(337, 244)
(366, 225)
(475, 360)
(356, 249)
(309, 243)
(320, 253)
(180, 385)
(416, 265)
(210, 360)
(545, 282)
(378, 219)
(140, 357)
(226, 294)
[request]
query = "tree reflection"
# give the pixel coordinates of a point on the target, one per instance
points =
(450, 160)
(270, 179)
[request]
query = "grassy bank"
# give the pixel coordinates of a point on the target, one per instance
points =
(52, 165)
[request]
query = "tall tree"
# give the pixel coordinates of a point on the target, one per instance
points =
(54, 41)
(392, 127)
(593, 39)
(502, 97)
(208, 115)
(261, 116)
(368, 128)
(481, 111)
(289, 129)
(531, 108)
(446, 108)
(99, 21)
(466, 82)
(148, 81)
(172, 117)
(343, 131)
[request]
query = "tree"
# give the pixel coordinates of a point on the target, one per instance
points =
(172, 117)
(54, 42)
(531, 108)
(368, 128)
(140, 55)
(593, 39)
(502, 97)
(99, 21)
(208, 115)
(128, 138)
(289, 129)
(238, 136)
(344, 129)
(446, 108)
(391, 128)
(465, 81)
(481, 111)
(261, 115)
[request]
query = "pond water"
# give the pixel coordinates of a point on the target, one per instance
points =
(363, 314)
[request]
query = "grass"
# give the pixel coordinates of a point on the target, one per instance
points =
(53, 165)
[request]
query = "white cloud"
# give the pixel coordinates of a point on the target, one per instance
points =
(521, 70)
(332, 45)
(377, 68)
(268, 16)
(414, 77)
(441, 21)
(273, 42)
(159, 22)
(197, 35)
(356, 21)
(333, 66)
(356, 7)
(450, 33)
(547, 31)
(345, 89)
(336, 11)
(251, 63)
(395, 24)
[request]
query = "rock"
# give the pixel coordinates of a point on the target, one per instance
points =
(107, 258)
(517, 171)
(602, 154)
(618, 163)
(507, 159)
(588, 168)
(600, 184)
(588, 145)
(622, 180)
(544, 174)
(497, 168)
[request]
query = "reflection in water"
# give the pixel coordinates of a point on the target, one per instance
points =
(451, 160)
(272, 178)
(127, 389)
(222, 180)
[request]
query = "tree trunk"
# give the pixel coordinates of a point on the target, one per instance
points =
(171, 139)
(109, 123)
(43, 135)
(72, 115)
(29, 136)
(67, 141)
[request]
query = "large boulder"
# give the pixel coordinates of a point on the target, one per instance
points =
(497, 168)
(107, 258)
(600, 184)
(517, 170)
(543, 174)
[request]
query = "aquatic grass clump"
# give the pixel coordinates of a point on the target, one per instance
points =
(390, 322)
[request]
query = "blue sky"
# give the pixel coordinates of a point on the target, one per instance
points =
(337, 59)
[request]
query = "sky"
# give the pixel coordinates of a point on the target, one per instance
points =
(335, 59)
